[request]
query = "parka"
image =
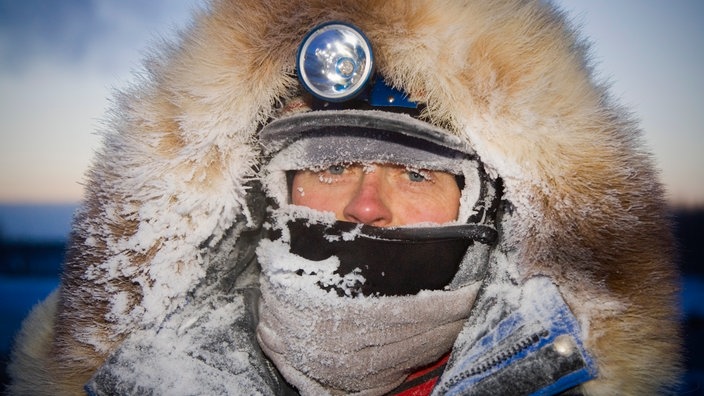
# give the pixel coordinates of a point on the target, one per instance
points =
(161, 283)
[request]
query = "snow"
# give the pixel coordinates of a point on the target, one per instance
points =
(173, 347)
(499, 329)
(202, 349)
(317, 153)
(318, 337)
(296, 274)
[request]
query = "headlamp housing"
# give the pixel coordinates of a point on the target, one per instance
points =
(335, 62)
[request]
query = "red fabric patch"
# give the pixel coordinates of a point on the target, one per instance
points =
(423, 388)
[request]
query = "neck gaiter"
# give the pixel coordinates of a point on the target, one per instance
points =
(324, 343)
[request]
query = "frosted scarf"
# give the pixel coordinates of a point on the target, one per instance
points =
(326, 344)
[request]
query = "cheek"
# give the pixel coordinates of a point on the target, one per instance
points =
(308, 197)
(439, 204)
(428, 210)
(309, 191)
(445, 213)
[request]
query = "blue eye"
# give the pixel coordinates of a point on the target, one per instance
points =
(336, 169)
(416, 176)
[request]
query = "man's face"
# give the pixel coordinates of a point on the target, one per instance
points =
(381, 195)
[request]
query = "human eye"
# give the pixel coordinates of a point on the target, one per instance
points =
(336, 169)
(336, 173)
(415, 176)
(418, 176)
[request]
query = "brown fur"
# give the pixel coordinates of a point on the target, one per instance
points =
(510, 77)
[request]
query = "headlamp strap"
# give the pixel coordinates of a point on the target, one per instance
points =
(384, 95)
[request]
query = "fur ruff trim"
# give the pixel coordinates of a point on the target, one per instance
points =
(510, 77)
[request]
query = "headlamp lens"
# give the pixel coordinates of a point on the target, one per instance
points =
(335, 62)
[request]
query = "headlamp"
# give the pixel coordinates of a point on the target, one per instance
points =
(335, 62)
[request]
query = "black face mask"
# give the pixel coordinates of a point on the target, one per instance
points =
(393, 261)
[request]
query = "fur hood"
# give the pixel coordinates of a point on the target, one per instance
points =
(170, 186)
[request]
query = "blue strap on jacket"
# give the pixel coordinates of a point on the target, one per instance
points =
(534, 349)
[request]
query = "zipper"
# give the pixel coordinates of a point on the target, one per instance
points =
(496, 359)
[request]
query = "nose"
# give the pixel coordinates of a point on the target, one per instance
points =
(368, 204)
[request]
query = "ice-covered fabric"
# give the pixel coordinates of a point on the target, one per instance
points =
(521, 341)
(208, 348)
(317, 138)
(326, 343)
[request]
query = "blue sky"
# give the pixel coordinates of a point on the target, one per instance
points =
(59, 61)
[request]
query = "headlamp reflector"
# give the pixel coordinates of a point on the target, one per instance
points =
(335, 62)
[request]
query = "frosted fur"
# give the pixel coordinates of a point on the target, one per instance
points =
(511, 78)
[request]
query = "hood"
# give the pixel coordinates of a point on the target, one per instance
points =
(175, 179)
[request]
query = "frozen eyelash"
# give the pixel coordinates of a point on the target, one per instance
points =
(425, 173)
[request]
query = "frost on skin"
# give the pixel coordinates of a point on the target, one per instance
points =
(292, 158)
(368, 168)
(380, 194)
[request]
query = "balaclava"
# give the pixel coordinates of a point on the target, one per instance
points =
(351, 308)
